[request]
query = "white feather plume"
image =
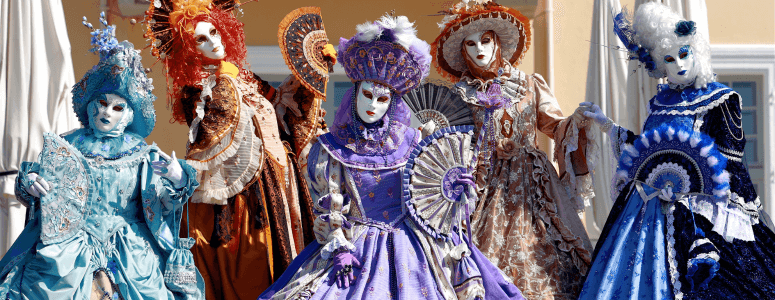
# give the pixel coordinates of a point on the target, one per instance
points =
(402, 28)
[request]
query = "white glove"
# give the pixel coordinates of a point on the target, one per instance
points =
(593, 112)
(428, 128)
(39, 186)
(169, 167)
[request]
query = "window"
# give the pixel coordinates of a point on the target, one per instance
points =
(750, 70)
(749, 88)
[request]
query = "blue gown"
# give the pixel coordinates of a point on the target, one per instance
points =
(107, 211)
(656, 249)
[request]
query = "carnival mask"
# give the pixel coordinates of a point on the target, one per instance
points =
(208, 41)
(110, 115)
(373, 101)
(480, 47)
(679, 64)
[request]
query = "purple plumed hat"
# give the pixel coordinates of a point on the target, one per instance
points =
(386, 51)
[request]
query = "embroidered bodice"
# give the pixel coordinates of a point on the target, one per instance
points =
(530, 107)
(114, 201)
(349, 188)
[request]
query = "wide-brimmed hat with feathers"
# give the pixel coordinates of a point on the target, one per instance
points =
(467, 17)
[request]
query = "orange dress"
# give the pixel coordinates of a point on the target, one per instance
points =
(252, 213)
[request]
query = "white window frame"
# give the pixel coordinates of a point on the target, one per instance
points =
(755, 60)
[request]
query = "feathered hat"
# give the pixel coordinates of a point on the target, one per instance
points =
(167, 19)
(467, 17)
(386, 51)
(119, 72)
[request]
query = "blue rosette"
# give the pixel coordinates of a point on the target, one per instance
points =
(432, 198)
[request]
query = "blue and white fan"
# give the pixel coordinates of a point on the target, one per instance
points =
(673, 156)
(431, 194)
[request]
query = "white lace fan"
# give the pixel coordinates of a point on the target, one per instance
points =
(431, 194)
(436, 102)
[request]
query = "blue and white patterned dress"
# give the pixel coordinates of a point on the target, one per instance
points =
(107, 211)
(693, 246)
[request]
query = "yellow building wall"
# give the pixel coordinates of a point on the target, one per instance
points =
(752, 23)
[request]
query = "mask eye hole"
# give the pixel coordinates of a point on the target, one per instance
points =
(486, 40)
(383, 99)
(213, 31)
(104, 103)
(367, 94)
(470, 43)
(118, 108)
(683, 55)
(669, 59)
(201, 39)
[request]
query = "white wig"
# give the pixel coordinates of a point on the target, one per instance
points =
(655, 26)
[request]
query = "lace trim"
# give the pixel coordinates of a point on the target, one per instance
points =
(581, 188)
(698, 110)
(214, 156)
(566, 239)
(674, 275)
(128, 162)
(333, 155)
(337, 243)
(729, 220)
(214, 169)
(516, 87)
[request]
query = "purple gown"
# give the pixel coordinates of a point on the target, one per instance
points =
(357, 187)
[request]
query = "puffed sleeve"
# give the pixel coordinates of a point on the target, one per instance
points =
(575, 149)
(331, 203)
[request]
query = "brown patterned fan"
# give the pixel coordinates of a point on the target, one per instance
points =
(302, 38)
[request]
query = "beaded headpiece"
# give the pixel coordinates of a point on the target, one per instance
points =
(467, 17)
(388, 52)
(119, 72)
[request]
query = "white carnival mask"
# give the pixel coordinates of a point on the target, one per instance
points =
(109, 113)
(680, 65)
(480, 48)
(373, 101)
(208, 41)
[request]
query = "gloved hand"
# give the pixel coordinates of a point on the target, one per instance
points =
(344, 263)
(593, 112)
(427, 129)
(169, 167)
(38, 186)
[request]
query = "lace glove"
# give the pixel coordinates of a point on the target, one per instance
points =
(593, 112)
(36, 186)
(344, 262)
(169, 167)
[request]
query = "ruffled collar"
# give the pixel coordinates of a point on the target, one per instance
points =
(108, 148)
(513, 84)
(690, 100)
(354, 154)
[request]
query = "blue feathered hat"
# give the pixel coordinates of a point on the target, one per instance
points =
(119, 72)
